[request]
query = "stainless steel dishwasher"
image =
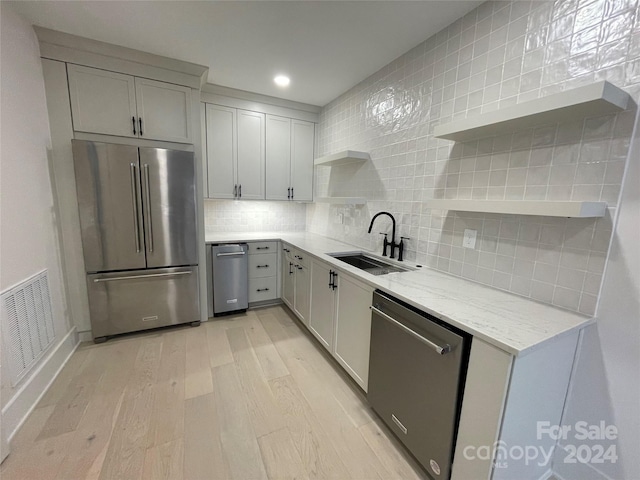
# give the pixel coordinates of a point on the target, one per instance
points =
(417, 371)
(230, 272)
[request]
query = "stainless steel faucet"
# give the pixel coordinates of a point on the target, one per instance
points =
(392, 243)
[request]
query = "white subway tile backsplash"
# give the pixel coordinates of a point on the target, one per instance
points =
(253, 216)
(500, 53)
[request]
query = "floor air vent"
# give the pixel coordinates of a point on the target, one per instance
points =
(27, 324)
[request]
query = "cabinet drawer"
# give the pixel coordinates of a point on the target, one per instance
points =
(263, 247)
(263, 265)
(301, 258)
(262, 289)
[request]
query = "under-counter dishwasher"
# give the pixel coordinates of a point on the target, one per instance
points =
(230, 277)
(417, 371)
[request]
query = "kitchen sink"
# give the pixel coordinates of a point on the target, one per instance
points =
(372, 265)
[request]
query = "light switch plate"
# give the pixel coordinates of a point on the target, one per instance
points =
(469, 240)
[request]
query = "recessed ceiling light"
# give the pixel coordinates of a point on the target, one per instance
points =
(282, 80)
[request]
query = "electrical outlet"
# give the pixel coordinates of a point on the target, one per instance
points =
(469, 240)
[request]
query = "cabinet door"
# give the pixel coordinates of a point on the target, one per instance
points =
(322, 304)
(102, 102)
(288, 276)
(302, 293)
(302, 134)
(278, 157)
(221, 151)
(250, 155)
(164, 111)
(353, 328)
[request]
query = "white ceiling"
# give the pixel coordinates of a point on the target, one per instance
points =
(326, 47)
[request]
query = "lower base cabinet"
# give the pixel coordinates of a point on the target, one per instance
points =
(286, 267)
(302, 294)
(353, 328)
(263, 271)
(340, 318)
(323, 304)
(296, 282)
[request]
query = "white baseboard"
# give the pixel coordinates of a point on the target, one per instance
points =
(4, 445)
(85, 336)
(31, 391)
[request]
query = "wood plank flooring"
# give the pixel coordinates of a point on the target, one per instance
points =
(250, 396)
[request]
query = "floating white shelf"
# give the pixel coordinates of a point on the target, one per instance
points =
(342, 158)
(600, 98)
(343, 200)
(524, 207)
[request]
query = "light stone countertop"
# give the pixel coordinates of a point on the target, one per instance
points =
(512, 323)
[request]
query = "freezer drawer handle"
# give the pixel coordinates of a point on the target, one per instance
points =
(134, 194)
(133, 277)
(262, 266)
(229, 254)
(440, 350)
(147, 194)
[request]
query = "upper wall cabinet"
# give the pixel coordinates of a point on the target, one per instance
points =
(111, 103)
(289, 159)
(235, 153)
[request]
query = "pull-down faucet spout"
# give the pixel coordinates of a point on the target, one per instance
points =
(392, 243)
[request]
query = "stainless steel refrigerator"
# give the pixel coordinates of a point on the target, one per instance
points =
(138, 218)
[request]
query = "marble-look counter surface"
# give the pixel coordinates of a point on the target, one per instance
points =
(512, 323)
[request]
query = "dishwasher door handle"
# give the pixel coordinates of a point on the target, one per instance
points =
(229, 254)
(441, 350)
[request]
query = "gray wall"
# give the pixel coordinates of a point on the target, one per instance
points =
(497, 55)
(30, 241)
(605, 383)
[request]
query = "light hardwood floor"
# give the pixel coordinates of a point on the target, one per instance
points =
(249, 396)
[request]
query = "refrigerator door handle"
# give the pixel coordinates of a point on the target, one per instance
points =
(147, 201)
(133, 277)
(134, 194)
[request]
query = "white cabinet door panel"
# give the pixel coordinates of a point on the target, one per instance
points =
(322, 304)
(302, 134)
(278, 157)
(288, 277)
(164, 110)
(221, 151)
(251, 152)
(302, 293)
(102, 101)
(353, 328)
